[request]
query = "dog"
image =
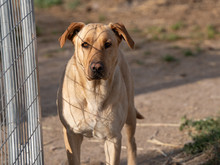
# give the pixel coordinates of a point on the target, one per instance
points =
(95, 97)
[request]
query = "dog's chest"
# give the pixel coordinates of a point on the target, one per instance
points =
(90, 112)
(91, 128)
(90, 120)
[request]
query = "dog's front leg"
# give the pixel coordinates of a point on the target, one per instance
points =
(113, 150)
(73, 144)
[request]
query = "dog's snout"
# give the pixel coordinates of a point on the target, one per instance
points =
(97, 70)
(97, 67)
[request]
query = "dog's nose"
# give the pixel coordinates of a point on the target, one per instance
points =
(96, 66)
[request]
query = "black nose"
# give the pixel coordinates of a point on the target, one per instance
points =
(96, 67)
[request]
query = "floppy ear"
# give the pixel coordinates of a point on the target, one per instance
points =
(121, 32)
(70, 32)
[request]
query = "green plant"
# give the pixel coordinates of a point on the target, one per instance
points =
(202, 142)
(46, 3)
(188, 53)
(147, 52)
(136, 30)
(175, 47)
(155, 32)
(196, 28)
(55, 32)
(198, 49)
(73, 4)
(169, 58)
(214, 156)
(155, 29)
(38, 31)
(155, 37)
(88, 21)
(102, 18)
(211, 31)
(205, 134)
(48, 55)
(170, 37)
(177, 26)
(139, 62)
(197, 35)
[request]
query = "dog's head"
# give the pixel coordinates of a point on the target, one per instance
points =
(96, 47)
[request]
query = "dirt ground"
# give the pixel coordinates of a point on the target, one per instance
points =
(164, 91)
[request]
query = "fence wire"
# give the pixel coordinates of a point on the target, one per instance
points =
(20, 138)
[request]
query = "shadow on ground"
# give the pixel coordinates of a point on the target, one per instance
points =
(147, 78)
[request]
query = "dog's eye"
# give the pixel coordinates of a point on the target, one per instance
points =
(85, 45)
(107, 45)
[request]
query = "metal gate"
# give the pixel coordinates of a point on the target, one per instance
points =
(20, 138)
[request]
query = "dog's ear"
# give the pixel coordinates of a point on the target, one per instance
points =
(70, 32)
(121, 32)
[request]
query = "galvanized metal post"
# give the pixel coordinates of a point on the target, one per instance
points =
(7, 67)
(40, 156)
(21, 138)
(27, 70)
(34, 129)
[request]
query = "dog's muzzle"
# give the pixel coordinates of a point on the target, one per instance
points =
(97, 70)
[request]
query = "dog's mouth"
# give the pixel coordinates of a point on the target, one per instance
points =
(97, 76)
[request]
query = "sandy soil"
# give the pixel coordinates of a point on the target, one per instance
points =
(164, 91)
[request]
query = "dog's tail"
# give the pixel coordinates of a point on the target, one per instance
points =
(138, 115)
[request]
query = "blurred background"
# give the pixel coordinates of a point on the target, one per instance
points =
(175, 66)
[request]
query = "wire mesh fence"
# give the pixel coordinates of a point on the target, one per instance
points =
(20, 138)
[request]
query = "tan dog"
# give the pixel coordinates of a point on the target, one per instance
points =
(96, 97)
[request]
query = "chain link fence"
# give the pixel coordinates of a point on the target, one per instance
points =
(20, 138)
